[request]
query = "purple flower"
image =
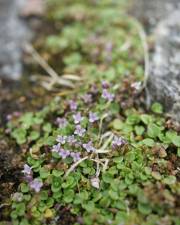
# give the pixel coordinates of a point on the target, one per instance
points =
(79, 131)
(105, 84)
(76, 156)
(27, 170)
(108, 96)
(71, 140)
(93, 117)
(36, 184)
(118, 142)
(56, 148)
(72, 105)
(88, 146)
(62, 122)
(64, 153)
(61, 139)
(87, 98)
(77, 118)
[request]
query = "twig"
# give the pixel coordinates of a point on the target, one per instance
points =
(107, 134)
(66, 92)
(143, 38)
(100, 124)
(75, 165)
(97, 165)
(97, 160)
(105, 164)
(72, 77)
(55, 78)
(4, 204)
(102, 149)
(31, 50)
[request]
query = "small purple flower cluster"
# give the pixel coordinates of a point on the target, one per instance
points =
(76, 156)
(87, 98)
(64, 153)
(77, 118)
(27, 170)
(61, 122)
(93, 117)
(118, 142)
(62, 140)
(105, 93)
(35, 184)
(72, 105)
(70, 146)
(28, 173)
(88, 147)
(72, 140)
(80, 131)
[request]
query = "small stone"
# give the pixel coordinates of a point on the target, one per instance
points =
(95, 182)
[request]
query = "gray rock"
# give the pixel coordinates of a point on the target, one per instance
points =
(163, 18)
(13, 33)
(153, 11)
(164, 78)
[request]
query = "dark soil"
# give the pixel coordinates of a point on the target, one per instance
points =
(18, 97)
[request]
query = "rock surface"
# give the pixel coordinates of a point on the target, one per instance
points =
(163, 83)
(150, 12)
(164, 79)
(13, 32)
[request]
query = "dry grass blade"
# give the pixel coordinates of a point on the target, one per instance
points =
(72, 77)
(143, 38)
(75, 165)
(54, 77)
